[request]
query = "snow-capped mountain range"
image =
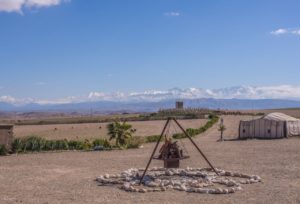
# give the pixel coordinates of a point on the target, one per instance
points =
(238, 92)
(165, 98)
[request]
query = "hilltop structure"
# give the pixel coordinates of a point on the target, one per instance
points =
(179, 105)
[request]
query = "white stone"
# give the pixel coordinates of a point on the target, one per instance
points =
(143, 190)
(183, 188)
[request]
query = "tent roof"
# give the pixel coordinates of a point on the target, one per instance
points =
(279, 117)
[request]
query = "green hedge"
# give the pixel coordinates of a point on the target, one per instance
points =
(152, 138)
(36, 144)
(191, 131)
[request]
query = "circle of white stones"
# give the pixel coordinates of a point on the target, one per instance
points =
(197, 180)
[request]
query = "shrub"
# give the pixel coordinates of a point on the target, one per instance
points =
(193, 132)
(17, 145)
(87, 145)
(178, 136)
(135, 142)
(73, 144)
(33, 143)
(152, 138)
(3, 150)
(102, 142)
(61, 145)
(49, 145)
(77, 145)
(98, 142)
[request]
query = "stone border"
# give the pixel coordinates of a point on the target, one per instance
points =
(196, 180)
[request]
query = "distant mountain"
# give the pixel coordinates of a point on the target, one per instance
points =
(239, 97)
(7, 106)
(145, 106)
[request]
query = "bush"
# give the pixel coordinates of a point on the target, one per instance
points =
(50, 145)
(102, 142)
(79, 145)
(193, 132)
(178, 136)
(3, 150)
(73, 144)
(153, 138)
(17, 145)
(61, 144)
(87, 145)
(135, 142)
(33, 143)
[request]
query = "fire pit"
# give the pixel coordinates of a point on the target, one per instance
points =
(171, 154)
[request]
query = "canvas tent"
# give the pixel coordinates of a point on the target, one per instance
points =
(273, 125)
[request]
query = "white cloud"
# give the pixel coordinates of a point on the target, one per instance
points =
(239, 92)
(15, 101)
(11, 5)
(18, 5)
(7, 99)
(172, 13)
(297, 32)
(282, 31)
(279, 31)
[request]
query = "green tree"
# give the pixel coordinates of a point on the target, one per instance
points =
(121, 132)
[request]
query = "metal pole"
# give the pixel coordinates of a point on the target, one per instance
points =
(157, 143)
(186, 134)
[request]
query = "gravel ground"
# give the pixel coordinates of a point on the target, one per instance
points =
(68, 177)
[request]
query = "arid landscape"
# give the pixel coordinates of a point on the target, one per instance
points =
(95, 130)
(68, 177)
(204, 93)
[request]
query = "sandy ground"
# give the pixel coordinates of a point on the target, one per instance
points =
(94, 130)
(68, 177)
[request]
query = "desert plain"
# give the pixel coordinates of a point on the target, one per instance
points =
(69, 177)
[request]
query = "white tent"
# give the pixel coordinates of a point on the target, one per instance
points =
(273, 125)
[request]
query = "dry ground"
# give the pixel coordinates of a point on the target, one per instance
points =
(69, 177)
(294, 112)
(94, 130)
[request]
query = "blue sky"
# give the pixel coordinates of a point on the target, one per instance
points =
(53, 49)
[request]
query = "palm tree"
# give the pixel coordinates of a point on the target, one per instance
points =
(121, 132)
(222, 128)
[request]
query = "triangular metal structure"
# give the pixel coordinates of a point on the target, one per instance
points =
(186, 134)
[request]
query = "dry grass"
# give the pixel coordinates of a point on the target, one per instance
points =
(95, 130)
(294, 112)
(69, 177)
